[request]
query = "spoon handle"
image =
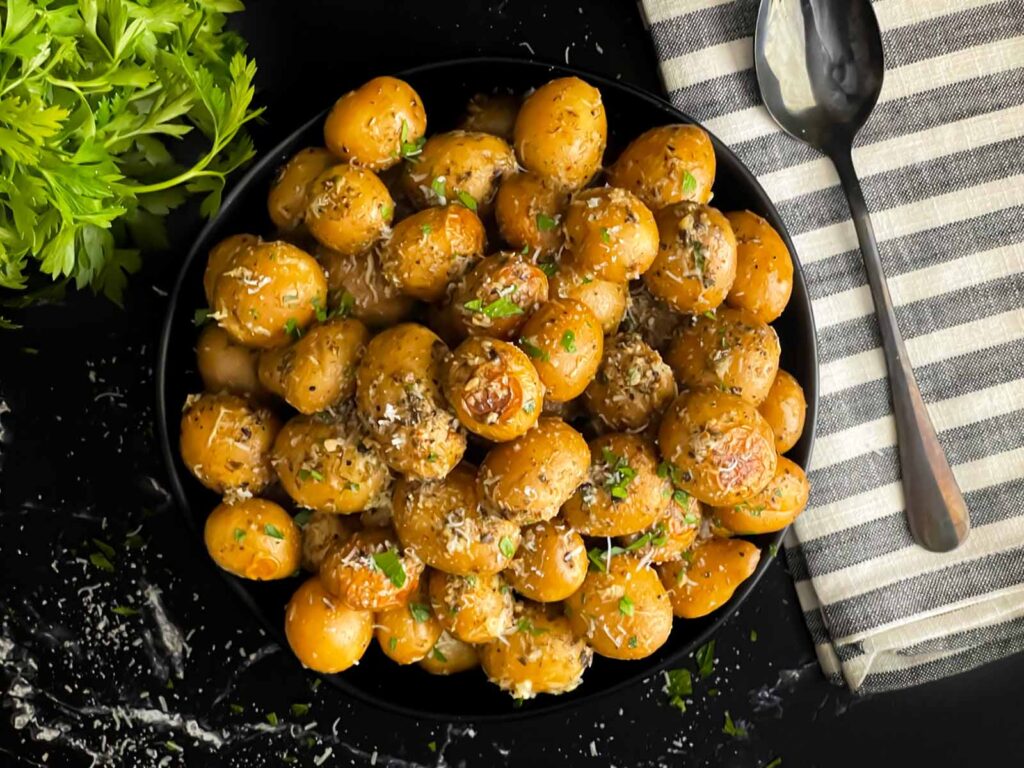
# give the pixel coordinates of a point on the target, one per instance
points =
(935, 508)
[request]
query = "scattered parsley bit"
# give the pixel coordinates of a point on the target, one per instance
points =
(620, 474)
(346, 304)
(545, 223)
(432, 746)
(698, 256)
(503, 306)
(409, 149)
(426, 229)
(682, 498)
(291, 327)
(439, 190)
(678, 683)
(392, 642)
(710, 314)
(391, 565)
(172, 747)
(632, 642)
(299, 710)
(774, 763)
(657, 537)
(321, 311)
(588, 279)
(436, 653)
(201, 316)
(272, 718)
(706, 659)
(773, 550)
(606, 236)
(549, 268)
(569, 341)
(626, 606)
(526, 249)
(239, 534)
(753, 635)
(386, 211)
(236, 709)
(302, 517)
(431, 457)
(508, 549)
(310, 474)
(100, 561)
(273, 531)
(689, 183)
(420, 612)
(466, 199)
(349, 486)
(731, 729)
(529, 406)
(525, 625)
(534, 351)
(599, 556)
(124, 610)
(103, 547)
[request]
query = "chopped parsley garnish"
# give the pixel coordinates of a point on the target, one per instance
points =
(409, 149)
(689, 183)
(606, 236)
(710, 314)
(310, 474)
(236, 709)
(569, 341)
(773, 550)
(436, 653)
(774, 763)
(321, 311)
(503, 306)
(124, 610)
(534, 351)
(706, 658)
(698, 256)
(431, 457)
(549, 268)
(620, 474)
(600, 556)
(201, 316)
(350, 486)
(632, 642)
(657, 537)
(392, 642)
(391, 565)
(508, 549)
(172, 747)
(100, 561)
(678, 683)
(272, 718)
(103, 547)
(298, 710)
(529, 406)
(525, 625)
(439, 190)
(466, 199)
(420, 612)
(291, 327)
(386, 211)
(625, 606)
(239, 534)
(302, 517)
(432, 746)
(426, 229)
(273, 531)
(348, 301)
(682, 498)
(731, 729)
(753, 635)
(545, 223)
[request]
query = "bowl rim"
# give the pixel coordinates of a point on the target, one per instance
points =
(272, 156)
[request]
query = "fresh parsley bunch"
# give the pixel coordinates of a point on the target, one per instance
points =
(90, 92)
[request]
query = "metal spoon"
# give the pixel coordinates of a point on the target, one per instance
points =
(819, 67)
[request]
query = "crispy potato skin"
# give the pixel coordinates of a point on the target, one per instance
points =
(449, 656)
(771, 509)
(633, 385)
(610, 234)
(365, 126)
(550, 564)
(497, 296)
(219, 260)
(784, 408)
(322, 632)
(463, 162)
(722, 449)
(707, 583)
(227, 366)
(350, 571)
(349, 209)
(476, 608)
(530, 211)
(606, 299)
(356, 285)
(666, 165)
(407, 633)
(764, 268)
(732, 350)
(565, 343)
(253, 539)
(289, 194)
(561, 132)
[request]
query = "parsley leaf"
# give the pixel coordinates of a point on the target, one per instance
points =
(606, 236)
(409, 150)
(569, 341)
(508, 549)
(549, 268)
(705, 656)
(525, 625)
(389, 562)
(420, 611)
(545, 223)
(625, 605)
(273, 531)
(678, 683)
(466, 199)
(501, 307)
(620, 474)
(731, 729)
(533, 351)
(689, 183)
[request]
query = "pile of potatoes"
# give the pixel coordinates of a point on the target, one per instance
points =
(510, 407)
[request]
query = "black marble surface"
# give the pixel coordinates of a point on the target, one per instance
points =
(153, 662)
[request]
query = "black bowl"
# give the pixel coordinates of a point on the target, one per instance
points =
(445, 88)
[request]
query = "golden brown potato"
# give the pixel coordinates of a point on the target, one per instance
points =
(564, 340)
(722, 449)
(729, 350)
(475, 608)
(349, 209)
(318, 370)
(764, 268)
(666, 165)
(323, 633)
(329, 465)
(377, 124)
(497, 296)
(696, 262)
(493, 113)
(623, 611)
(606, 299)
(357, 286)
(225, 442)
(431, 248)
(398, 393)
(449, 656)
(227, 366)
(270, 292)
(220, 258)
(561, 132)
(407, 633)
(370, 571)
(459, 167)
(254, 539)
(672, 535)
(610, 234)
(443, 523)
(771, 509)
(651, 318)
(528, 479)
(319, 531)
(550, 564)
(785, 409)
(542, 655)
(289, 194)
(624, 493)
(494, 389)
(706, 581)
(632, 385)
(529, 210)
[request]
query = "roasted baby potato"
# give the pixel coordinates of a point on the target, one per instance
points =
(254, 539)
(494, 389)
(497, 296)
(550, 564)
(220, 259)
(529, 210)
(493, 113)
(270, 292)
(289, 194)
(227, 366)
(377, 124)
(449, 656)
(624, 494)
(672, 535)
(329, 465)
(721, 448)
(459, 167)
(696, 263)
(771, 509)
(370, 571)
(398, 393)
(325, 634)
(431, 248)
(407, 633)
(651, 318)
(475, 608)
(623, 611)
(318, 370)
(528, 479)
(785, 409)
(700, 584)
(729, 350)
(349, 209)
(225, 442)
(540, 655)
(606, 299)
(356, 286)
(443, 523)
(565, 343)
(666, 165)
(610, 234)
(632, 385)
(319, 531)
(764, 268)
(561, 132)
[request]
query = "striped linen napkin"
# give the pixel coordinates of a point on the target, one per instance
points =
(942, 165)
